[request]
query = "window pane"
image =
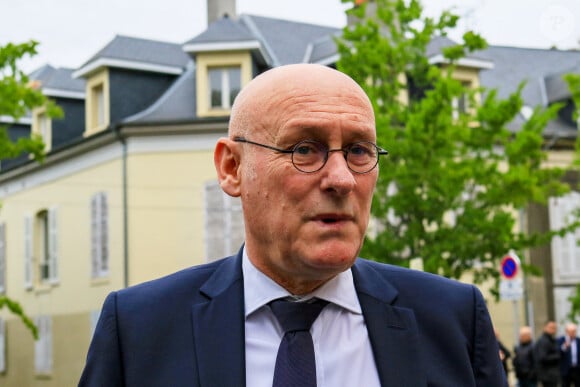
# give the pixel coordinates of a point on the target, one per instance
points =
(98, 106)
(41, 244)
(224, 85)
(235, 83)
(215, 87)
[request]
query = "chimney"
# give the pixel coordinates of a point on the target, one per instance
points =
(216, 9)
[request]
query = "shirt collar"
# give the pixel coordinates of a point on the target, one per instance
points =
(259, 289)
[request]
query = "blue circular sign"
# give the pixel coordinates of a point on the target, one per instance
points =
(509, 267)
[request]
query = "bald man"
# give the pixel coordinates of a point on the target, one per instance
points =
(301, 154)
(570, 357)
(524, 363)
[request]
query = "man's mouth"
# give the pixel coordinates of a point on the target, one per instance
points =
(332, 218)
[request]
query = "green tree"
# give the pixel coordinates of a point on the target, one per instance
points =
(573, 81)
(18, 96)
(449, 191)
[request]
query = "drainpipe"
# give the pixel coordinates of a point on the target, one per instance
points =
(123, 141)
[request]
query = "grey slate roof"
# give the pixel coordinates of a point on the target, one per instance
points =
(556, 87)
(223, 30)
(513, 65)
(143, 51)
(293, 42)
(537, 67)
(178, 103)
(58, 79)
(322, 50)
(437, 44)
(286, 41)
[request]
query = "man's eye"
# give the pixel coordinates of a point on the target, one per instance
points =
(360, 150)
(306, 149)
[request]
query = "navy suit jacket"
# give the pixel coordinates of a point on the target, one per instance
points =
(187, 329)
(566, 356)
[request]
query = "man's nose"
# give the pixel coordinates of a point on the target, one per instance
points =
(337, 175)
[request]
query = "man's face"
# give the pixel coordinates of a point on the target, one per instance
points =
(551, 328)
(307, 227)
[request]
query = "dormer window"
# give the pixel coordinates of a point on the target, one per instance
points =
(42, 125)
(224, 85)
(219, 79)
(97, 103)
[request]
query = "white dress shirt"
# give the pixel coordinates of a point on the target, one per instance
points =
(341, 344)
(573, 352)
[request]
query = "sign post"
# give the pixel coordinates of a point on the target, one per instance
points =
(511, 286)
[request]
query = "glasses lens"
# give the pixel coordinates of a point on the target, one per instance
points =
(362, 156)
(309, 156)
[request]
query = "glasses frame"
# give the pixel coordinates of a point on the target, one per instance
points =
(345, 150)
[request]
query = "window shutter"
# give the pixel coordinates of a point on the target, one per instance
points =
(99, 235)
(224, 222)
(48, 344)
(2, 257)
(28, 259)
(104, 261)
(565, 251)
(235, 232)
(95, 237)
(2, 345)
(214, 221)
(38, 352)
(95, 315)
(43, 346)
(53, 244)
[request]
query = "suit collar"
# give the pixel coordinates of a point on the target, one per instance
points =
(218, 327)
(392, 329)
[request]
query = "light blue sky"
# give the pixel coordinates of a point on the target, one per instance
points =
(70, 31)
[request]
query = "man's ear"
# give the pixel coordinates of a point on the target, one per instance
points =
(227, 163)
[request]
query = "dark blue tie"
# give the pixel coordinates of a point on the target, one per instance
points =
(295, 365)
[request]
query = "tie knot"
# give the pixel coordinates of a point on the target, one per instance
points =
(297, 316)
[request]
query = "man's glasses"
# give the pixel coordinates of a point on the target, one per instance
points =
(310, 156)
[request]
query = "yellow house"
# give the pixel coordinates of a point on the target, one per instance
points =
(128, 191)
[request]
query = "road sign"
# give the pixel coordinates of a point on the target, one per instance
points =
(509, 266)
(511, 289)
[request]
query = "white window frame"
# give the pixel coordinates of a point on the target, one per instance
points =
(2, 257)
(565, 250)
(41, 248)
(562, 304)
(2, 345)
(42, 126)
(28, 253)
(47, 245)
(225, 86)
(43, 346)
(99, 235)
(53, 245)
(462, 104)
(99, 104)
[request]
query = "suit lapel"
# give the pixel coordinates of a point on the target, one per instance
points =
(218, 327)
(392, 330)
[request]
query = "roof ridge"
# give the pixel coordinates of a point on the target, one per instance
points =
(253, 28)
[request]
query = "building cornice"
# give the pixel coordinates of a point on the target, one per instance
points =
(59, 93)
(465, 62)
(100, 63)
